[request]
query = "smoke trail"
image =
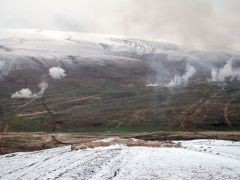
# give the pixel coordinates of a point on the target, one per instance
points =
(26, 93)
(5, 67)
(2, 69)
(227, 72)
(43, 86)
(57, 73)
(182, 80)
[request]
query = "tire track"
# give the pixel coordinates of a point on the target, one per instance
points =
(89, 167)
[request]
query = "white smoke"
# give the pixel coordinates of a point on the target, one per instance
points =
(54, 72)
(1, 69)
(43, 86)
(57, 73)
(24, 93)
(5, 67)
(151, 85)
(227, 72)
(182, 80)
(27, 93)
(1, 65)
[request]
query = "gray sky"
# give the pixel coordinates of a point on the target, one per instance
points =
(209, 24)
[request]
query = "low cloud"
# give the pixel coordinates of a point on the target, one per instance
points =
(206, 24)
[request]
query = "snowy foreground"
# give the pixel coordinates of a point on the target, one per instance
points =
(197, 159)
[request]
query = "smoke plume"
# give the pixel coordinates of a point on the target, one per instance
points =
(57, 73)
(227, 72)
(182, 80)
(5, 67)
(26, 93)
(54, 72)
(43, 86)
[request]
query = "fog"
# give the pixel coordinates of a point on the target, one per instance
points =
(202, 24)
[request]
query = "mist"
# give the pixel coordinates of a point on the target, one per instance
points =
(201, 24)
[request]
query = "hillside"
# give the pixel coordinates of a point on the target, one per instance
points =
(115, 83)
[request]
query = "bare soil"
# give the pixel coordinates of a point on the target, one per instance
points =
(30, 141)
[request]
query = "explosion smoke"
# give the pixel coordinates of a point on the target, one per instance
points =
(182, 80)
(57, 73)
(24, 93)
(27, 93)
(54, 72)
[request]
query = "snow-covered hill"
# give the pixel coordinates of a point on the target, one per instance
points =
(198, 159)
(26, 49)
(34, 50)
